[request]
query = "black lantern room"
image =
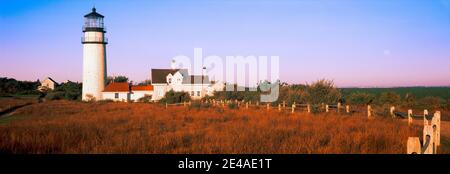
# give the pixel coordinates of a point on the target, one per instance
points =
(93, 22)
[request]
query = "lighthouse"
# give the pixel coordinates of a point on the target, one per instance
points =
(94, 56)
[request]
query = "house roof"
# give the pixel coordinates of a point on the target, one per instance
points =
(51, 80)
(195, 79)
(142, 88)
(159, 75)
(117, 87)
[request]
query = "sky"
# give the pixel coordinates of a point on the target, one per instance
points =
(355, 43)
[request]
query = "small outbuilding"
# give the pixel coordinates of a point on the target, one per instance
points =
(47, 84)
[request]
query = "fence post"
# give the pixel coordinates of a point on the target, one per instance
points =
(410, 113)
(308, 107)
(369, 111)
(267, 106)
(326, 108)
(293, 108)
(279, 107)
(257, 103)
(425, 120)
(284, 104)
(428, 132)
(436, 123)
(166, 105)
(184, 103)
(392, 111)
(339, 107)
(413, 146)
(347, 109)
(246, 105)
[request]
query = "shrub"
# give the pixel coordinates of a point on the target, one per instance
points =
(145, 99)
(360, 98)
(232, 105)
(57, 95)
(431, 102)
(175, 97)
(322, 91)
(409, 101)
(70, 90)
(389, 98)
(195, 105)
(106, 101)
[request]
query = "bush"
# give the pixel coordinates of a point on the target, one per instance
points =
(431, 102)
(57, 95)
(409, 101)
(322, 91)
(389, 98)
(106, 101)
(195, 104)
(175, 97)
(70, 90)
(360, 98)
(145, 99)
(198, 104)
(232, 105)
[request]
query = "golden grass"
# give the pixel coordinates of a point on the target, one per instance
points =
(75, 127)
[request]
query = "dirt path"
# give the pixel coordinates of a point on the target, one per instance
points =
(11, 110)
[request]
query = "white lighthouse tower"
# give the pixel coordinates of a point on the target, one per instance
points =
(94, 56)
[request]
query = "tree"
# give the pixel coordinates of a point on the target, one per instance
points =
(69, 91)
(360, 98)
(117, 79)
(175, 97)
(431, 102)
(145, 82)
(10, 86)
(322, 91)
(389, 98)
(409, 100)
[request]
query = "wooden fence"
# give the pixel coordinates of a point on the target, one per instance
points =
(431, 135)
(431, 131)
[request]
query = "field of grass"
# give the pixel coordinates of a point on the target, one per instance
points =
(77, 127)
(419, 92)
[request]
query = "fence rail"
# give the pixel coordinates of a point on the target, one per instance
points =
(431, 136)
(431, 131)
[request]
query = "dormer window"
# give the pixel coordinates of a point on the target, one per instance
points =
(169, 80)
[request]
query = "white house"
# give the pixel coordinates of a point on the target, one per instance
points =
(125, 92)
(178, 80)
(47, 83)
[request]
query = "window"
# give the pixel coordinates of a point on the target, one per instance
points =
(192, 93)
(116, 95)
(170, 80)
(198, 93)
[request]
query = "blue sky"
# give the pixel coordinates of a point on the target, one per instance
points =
(353, 42)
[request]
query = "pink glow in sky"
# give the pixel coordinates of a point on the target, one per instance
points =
(355, 43)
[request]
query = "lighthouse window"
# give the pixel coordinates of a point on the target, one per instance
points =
(116, 95)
